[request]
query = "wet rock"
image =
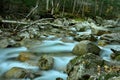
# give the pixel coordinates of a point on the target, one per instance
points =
(98, 30)
(46, 62)
(24, 35)
(4, 43)
(91, 67)
(82, 67)
(15, 73)
(54, 30)
(84, 47)
(111, 23)
(99, 20)
(109, 76)
(58, 21)
(67, 39)
(103, 42)
(113, 37)
(25, 56)
(82, 26)
(30, 43)
(89, 37)
(115, 55)
(59, 78)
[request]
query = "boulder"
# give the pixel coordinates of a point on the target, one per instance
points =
(4, 43)
(85, 37)
(15, 73)
(103, 42)
(82, 26)
(59, 78)
(115, 55)
(91, 67)
(99, 30)
(84, 47)
(25, 56)
(113, 37)
(46, 62)
(82, 67)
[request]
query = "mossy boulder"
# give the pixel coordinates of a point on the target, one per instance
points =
(91, 67)
(84, 47)
(46, 62)
(15, 73)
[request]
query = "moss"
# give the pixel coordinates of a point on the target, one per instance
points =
(106, 76)
(117, 58)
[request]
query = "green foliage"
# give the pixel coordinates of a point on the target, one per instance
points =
(89, 8)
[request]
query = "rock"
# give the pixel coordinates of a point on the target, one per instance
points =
(58, 21)
(1, 31)
(99, 30)
(30, 43)
(54, 30)
(15, 73)
(67, 39)
(111, 23)
(82, 26)
(24, 35)
(91, 67)
(115, 78)
(82, 67)
(84, 47)
(113, 37)
(25, 56)
(115, 55)
(59, 78)
(46, 62)
(33, 30)
(103, 42)
(89, 37)
(99, 20)
(4, 43)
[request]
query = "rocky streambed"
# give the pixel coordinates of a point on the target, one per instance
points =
(64, 49)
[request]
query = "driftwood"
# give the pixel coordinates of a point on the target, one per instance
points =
(27, 24)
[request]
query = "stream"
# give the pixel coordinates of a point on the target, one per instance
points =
(62, 55)
(60, 51)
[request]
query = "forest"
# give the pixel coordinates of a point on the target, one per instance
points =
(59, 39)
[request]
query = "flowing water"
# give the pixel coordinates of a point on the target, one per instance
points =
(61, 52)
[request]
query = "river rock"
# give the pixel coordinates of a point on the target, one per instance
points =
(82, 26)
(4, 43)
(98, 20)
(25, 56)
(25, 35)
(85, 37)
(84, 47)
(15, 73)
(46, 62)
(103, 42)
(59, 78)
(58, 21)
(115, 55)
(113, 37)
(91, 67)
(7, 43)
(82, 67)
(99, 30)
